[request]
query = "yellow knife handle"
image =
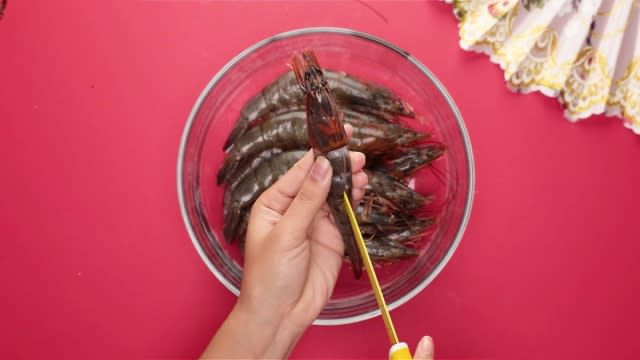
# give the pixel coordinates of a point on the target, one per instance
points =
(399, 351)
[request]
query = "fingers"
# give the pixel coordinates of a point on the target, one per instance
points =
(359, 178)
(424, 351)
(359, 181)
(279, 196)
(275, 201)
(348, 129)
(312, 195)
(357, 160)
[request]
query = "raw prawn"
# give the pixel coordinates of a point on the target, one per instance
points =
(246, 193)
(281, 123)
(328, 138)
(388, 250)
(406, 161)
(283, 94)
(289, 131)
(397, 192)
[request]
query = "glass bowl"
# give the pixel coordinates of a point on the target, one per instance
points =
(374, 60)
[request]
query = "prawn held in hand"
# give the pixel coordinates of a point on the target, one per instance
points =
(328, 138)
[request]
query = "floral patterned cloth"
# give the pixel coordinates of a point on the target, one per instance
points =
(584, 52)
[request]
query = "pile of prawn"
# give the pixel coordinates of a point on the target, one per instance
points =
(272, 133)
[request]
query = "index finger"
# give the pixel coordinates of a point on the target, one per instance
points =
(279, 196)
(348, 129)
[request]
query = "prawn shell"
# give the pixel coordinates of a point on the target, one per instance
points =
(388, 250)
(240, 200)
(283, 119)
(327, 137)
(284, 93)
(287, 131)
(405, 161)
(244, 171)
(397, 192)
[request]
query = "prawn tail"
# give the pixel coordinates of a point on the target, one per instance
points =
(344, 227)
(228, 168)
(233, 222)
(241, 127)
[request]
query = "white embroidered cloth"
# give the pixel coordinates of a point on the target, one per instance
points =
(584, 52)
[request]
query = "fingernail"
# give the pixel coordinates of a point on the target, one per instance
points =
(426, 346)
(320, 169)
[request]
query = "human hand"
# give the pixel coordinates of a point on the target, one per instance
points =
(293, 254)
(294, 251)
(424, 350)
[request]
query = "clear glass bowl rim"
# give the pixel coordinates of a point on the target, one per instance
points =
(347, 32)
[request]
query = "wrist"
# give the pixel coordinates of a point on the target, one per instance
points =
(264, 333)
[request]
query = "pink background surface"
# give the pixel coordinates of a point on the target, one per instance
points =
(96, 262)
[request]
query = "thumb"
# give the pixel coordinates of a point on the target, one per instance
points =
(312, 195)
(425, 349)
